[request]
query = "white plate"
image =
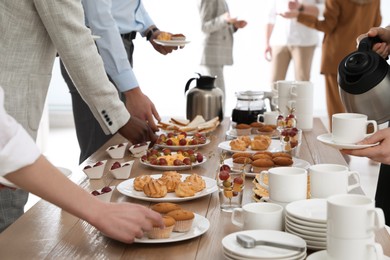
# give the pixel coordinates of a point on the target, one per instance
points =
(305, 223)
(232, 133)
(304, 227)
(274, 147)
(127, 188)
(231, 245)
(312, 210)
(199, 227)
(233, 256)
(296, 163)
(320, 255)
(185, 147)
(171, 43)
(321, 234)
(320, 240)
(327, 139)
(173, 167)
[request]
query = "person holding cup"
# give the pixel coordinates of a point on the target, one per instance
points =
(380, 152)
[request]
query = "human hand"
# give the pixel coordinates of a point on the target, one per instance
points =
(383, 48)
(158, 47)
(138, 131)
(229, 19)
(238, 24)
(379, 153)
(139, 105)
(289, 14)
(125, 221)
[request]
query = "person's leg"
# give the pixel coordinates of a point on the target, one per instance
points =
(90, 135)
(281, 58)
(12, 204)
(302, 57)
(333, 100)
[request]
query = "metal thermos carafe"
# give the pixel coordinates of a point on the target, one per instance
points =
(204, 99)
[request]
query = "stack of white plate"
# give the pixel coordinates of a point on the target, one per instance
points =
(233, 250)
(307, 219)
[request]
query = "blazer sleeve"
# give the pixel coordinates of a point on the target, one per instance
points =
(211, 20)
(64, 22)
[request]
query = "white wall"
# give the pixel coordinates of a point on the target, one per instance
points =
(163, 78)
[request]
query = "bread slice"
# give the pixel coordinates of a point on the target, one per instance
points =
(193, 125)
(180, 121)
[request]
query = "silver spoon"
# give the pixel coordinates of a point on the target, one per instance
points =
(249, 242)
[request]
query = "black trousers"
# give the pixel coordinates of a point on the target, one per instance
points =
(90, 135)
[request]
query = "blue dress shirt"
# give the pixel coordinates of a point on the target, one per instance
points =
(109, 19)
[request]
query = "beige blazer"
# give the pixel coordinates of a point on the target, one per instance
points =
(218, 35)
(32, 32)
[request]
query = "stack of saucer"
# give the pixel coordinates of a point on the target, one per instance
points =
(307, 219)
(233, 250)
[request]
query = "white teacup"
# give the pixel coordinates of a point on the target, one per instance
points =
(353, 216)
(302, 90)
(268, 117)
(285, 184)
(353, 249)
(350, 128)
(304, 109)
(331, 179)
(262, 215)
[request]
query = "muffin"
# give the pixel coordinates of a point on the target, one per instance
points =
(282, 161)
(183, 218)
(261, 156)
(255, 126)
(281, 154)
(262, 165)
(241, 154)
(242, 162)
(165, 207)
(243, 129)
(158, 233)
(178, 37)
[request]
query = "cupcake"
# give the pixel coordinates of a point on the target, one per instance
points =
(262, 165)
(183, 218)
(255, 126)
(243, 129)
(165, 207)
(242, 163)
(159, 233)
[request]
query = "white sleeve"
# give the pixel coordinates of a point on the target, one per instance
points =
(17, 148)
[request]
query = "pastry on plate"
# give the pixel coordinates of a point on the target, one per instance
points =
(185, 189)
(158, 233)
(262, 165)
(243, 129)
(183, 218)
(140, 181)
(282, 161)
(237, 145)
(155, 189)
(165, 207)
(246, 139)
(197, 181)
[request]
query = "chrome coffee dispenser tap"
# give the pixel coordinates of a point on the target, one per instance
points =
(249, 105)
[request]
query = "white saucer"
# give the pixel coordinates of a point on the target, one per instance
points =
(327, 139)
(320, 255)
(311, 210)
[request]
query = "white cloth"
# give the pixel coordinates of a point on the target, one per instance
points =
(289, 32)
(17, 149)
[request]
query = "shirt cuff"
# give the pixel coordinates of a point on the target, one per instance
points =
(125, 81)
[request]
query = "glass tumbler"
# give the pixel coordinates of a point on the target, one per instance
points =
(231, 184)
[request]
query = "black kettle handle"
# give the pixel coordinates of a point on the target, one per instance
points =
(189, 82)
(366, 43)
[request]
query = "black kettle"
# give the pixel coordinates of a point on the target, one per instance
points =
(204, 99)
(364, 81)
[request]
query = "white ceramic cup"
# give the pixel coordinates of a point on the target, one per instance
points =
(285, 184)
(262, 215)
(353, 249)
(331, 179)
(350, 128)
(268, 117)
(303, 112)
(302, 90)
(353, 216)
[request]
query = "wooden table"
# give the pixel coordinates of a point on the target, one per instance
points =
(47, 232)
